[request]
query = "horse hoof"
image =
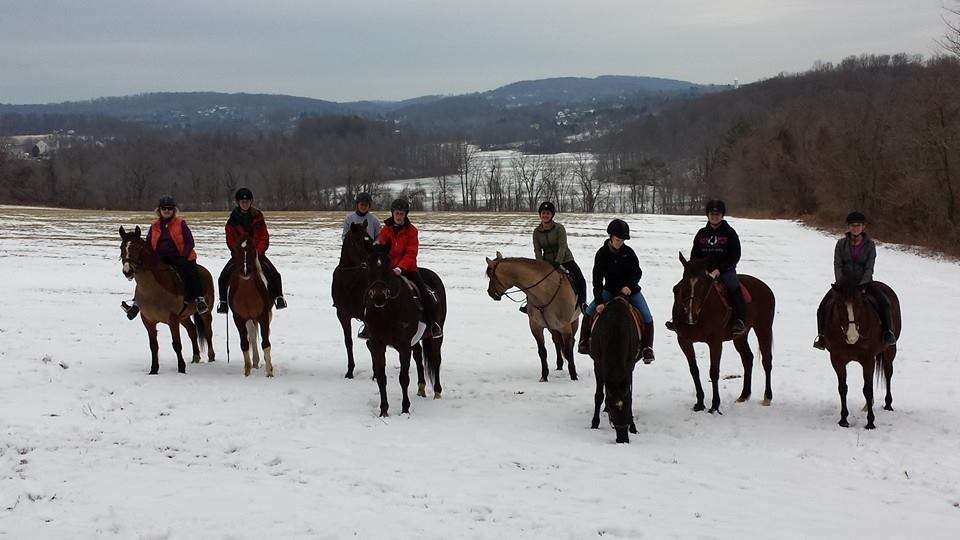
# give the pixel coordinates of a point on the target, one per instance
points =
(270, 375)
(843, 423)
(595, 424)
(153, 372)
(196, 360)
(212, 359)
(383, 414)
(715, 410)
(437, 396)
(246, 372)
(633, 429)
(699, 407)
(573, 377)
(348, 376)
(743, 399)
(543, 379)
(888, 407)
(765, 402)
(870, 426)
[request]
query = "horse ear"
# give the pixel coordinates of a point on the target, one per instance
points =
(123, 233)
(499, 256)
(137, 231)
(364, 223)
(683, 260)
(489, 262)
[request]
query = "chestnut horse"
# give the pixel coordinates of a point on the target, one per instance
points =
(159, 294)
(615, 348)
(350, 282)
(551, 303)
(701, 314)
(252, 305)
(852, 333)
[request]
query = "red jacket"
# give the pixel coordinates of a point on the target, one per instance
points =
(179, 233)
(259, 233)
(404, 243)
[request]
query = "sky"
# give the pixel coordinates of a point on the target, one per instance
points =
(57, 50)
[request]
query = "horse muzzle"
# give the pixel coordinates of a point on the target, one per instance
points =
(128, 271)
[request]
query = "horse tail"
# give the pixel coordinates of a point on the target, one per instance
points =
(433, 360)
(201, 332)
(879, 381)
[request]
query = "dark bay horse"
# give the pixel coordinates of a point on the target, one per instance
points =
(852, 333)
(252, 305)
(350, 282)
(392, 315)
(701, 315)
(615, 348)
(551, 303)
(159, 294)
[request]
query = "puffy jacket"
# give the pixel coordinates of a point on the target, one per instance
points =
(251, 223)
(720, 246)
(173, 231)
(404, 244)
(551, 245)
(614, 270)
(862, 268)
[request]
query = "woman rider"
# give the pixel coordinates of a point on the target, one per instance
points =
(616, 270)
(360, 214)
(249, 221)
(550, 245)
(855, 255)
(404, 242)
(172, 241)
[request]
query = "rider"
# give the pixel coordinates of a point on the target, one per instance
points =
(855, 255)
(172, 241)
(550, 245)
(403, 239)
(720, 245)
(616, 270)
(245, 219)
(360, 213)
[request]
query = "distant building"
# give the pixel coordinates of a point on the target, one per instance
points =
(41, 148)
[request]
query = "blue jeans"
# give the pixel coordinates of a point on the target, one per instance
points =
(729, 279)
(636, 300)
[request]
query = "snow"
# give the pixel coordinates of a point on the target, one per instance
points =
(92, 446)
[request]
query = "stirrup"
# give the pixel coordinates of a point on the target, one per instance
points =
(281, 303)
(819, 344)
(222, 307)
(132, 310)
(647, 355)
(202, 306)
(436, 331)
(889, 338)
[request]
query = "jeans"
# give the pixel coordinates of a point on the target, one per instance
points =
(636, 300)
(731, 281)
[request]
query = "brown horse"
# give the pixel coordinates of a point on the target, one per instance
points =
(551, 303)
(615, 349)
(393, 318)
(852, 332)
(252, 305)
(159, 294)
(350, 282)
(700, 314)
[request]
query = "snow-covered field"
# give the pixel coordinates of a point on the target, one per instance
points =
(92, 446)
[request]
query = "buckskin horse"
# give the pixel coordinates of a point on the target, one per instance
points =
(701, 313)
(615, 348)
(852, 332)
(551, 303)
(159, 294)
(251, 303)
(393, 316)
(350, 283)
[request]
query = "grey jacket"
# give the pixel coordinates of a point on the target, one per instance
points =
(373, 224)
(551, 245)
(843, 259)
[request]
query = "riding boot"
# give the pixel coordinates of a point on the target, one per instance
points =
(646, 343)
(131, 309)
(223, 283)
(583, 347)
(886, 322)
(523, 308)
(430, 316)
(740, 312)
(670, 326)
(274, 281)
(819, 342)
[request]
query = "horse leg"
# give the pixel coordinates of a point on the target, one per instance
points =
(841, 368)
(265, 341)
(868, 390)
(746, 356)
(434, 359)
(378, 352)
(405, 378)
(244, 342)
(687, 348)
(345, 324)
(888, 374)
(207, 319)
(598, 395)
(716, 350)
(568, 351)
(253, 328)
(192, 333)
(154, 346)
(558, 345)
(765, 341)
(541, 350)
(418, 361)
(633, 423)
(174, 324)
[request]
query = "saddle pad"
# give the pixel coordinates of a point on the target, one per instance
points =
(722, 291)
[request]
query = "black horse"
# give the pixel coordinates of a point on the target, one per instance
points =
(393, 313)
(615, 348)
(350, 282)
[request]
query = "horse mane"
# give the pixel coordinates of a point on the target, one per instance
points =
(616, 334)
(695, 266)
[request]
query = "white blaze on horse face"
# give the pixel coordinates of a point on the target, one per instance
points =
(853, 334)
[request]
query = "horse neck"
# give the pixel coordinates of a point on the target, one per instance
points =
(523, 273)
(349, 257)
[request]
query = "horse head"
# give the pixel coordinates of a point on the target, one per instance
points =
(690, 293)
(380, 276)
(357, 244)
(495, 288)
(132, 249)
(246, 255)
(851, 312)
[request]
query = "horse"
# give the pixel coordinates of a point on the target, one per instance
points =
(159, 294)
(551, 303)
(350, 282)
(392, 315)
(852, 332)
(615, 348)
(701, 314)
(251, 303)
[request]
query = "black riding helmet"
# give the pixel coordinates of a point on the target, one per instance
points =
(244, 194)
(548, 206)
(167, 200)
(716, 205)
(856, 217)
(400, 204)
(619, 228)
(363, 197)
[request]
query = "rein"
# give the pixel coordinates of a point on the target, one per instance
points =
(389, 296)
(506, 292)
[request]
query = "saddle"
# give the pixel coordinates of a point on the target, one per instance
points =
(725, 295)
(635, 315)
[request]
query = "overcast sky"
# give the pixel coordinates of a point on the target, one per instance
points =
(55, 50)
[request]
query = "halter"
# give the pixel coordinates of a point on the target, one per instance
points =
(506, 292)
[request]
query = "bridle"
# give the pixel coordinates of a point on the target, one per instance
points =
(388, 296)
(694, 316)
(504, 291)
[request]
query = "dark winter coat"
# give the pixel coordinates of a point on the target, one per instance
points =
(862, 267)
(614, 270)
(720, 246)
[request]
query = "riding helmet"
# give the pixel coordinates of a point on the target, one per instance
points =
(856, 217)
(244, 194)
(363, 197)
(400, 204)
(619, 228)
(167, 200)
(548, 206)
(716, 205)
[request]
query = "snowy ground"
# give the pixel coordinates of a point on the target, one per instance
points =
(91, 446)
